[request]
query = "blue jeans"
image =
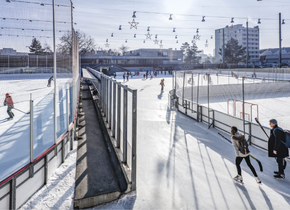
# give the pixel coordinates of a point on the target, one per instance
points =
(10, 113)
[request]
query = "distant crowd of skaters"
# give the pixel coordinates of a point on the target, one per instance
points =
(146, 74)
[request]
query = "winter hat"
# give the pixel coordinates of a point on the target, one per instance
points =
(274, 121)
(7, 94)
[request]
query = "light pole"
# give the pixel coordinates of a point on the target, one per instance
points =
(247, 61)
(280, 41)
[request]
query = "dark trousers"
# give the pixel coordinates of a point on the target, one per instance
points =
(280, 162)
(238, 162)
(9, 111)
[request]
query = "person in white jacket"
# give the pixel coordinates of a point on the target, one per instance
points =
(242, 152)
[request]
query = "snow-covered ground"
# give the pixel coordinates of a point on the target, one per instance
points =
(59, 191)
(180, 165)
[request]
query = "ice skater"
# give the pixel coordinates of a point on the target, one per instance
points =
(162, 85)
(9, 102)
(124, 77)
(277, 149)
(49, 81)
(242, 152)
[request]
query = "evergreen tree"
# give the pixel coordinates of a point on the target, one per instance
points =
(234, 53)
(190, 53)
(36, 47)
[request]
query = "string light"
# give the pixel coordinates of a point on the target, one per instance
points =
(259, 21)
(173, 29)
(112, 35)
(120, 27)
(203, 20)
(170, 18)
(175, 36)
(134, 35)
(148, 29)
(134, 14)
(232, 21)
(283, 21)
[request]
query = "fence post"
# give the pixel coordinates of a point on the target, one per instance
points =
(125, 117)
(31, 137)
(119, 117)
(197, 96)
(183, 89)
(250, 133)
(134, 139)
(12, 193)
(114, 111)
(110, 105)
(208, 117)
(243, 92)
(191, 92)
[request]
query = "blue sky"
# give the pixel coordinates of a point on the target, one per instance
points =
(101, 18)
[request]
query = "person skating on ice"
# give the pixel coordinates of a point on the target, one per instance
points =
(9, 102)
(49, 81)
(242, 152)
(277, 149)
(162, 84)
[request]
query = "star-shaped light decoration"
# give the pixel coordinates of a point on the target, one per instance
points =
(107, 45)
(148, 36)
(133, 24)
(155, 41)
(232, 28)
(197, 37)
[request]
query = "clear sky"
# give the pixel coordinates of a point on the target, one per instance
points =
(101, 18)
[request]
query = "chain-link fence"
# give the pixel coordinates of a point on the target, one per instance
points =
(43, 80)
(238, 100)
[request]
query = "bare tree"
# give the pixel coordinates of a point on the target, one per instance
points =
(123, 49)
(86, 43)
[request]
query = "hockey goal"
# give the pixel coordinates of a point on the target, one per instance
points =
(235, 108)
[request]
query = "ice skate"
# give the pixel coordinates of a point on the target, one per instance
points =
(279, 176)
(238, 178)
(258, 180)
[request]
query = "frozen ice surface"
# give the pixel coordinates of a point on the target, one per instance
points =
(183, 165)
(15, 134)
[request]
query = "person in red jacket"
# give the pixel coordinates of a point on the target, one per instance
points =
(9, 102)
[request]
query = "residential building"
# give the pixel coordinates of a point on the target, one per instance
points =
(239, 32)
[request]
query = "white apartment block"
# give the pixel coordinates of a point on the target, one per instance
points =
(239, 33)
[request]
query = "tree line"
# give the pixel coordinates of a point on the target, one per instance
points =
(234, 53)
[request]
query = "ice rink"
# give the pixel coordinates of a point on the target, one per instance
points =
(184, 165)
(15, 134)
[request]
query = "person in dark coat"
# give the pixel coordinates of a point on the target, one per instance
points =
(277, 149)
(49, 81)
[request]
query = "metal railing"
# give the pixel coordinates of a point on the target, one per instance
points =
(118, 105)
(196, 100)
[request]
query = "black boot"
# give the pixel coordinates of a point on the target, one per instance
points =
(279, 176)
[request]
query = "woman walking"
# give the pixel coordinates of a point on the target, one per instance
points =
(242, 152)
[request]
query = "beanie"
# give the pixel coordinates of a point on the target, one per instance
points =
(274, 121)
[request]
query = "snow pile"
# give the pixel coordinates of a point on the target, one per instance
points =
(59, 191)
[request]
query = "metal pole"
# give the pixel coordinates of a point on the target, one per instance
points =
(118, 117)
(67, 108)
(223, 58)
(54, 70)
(197, 95)
(125, 121)
(208, 117)
(183, 88)
(134, 139)
(280, 40)
(191, 92)
(31, 130)
(243, 90)
(247, 57)
(114, 110)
